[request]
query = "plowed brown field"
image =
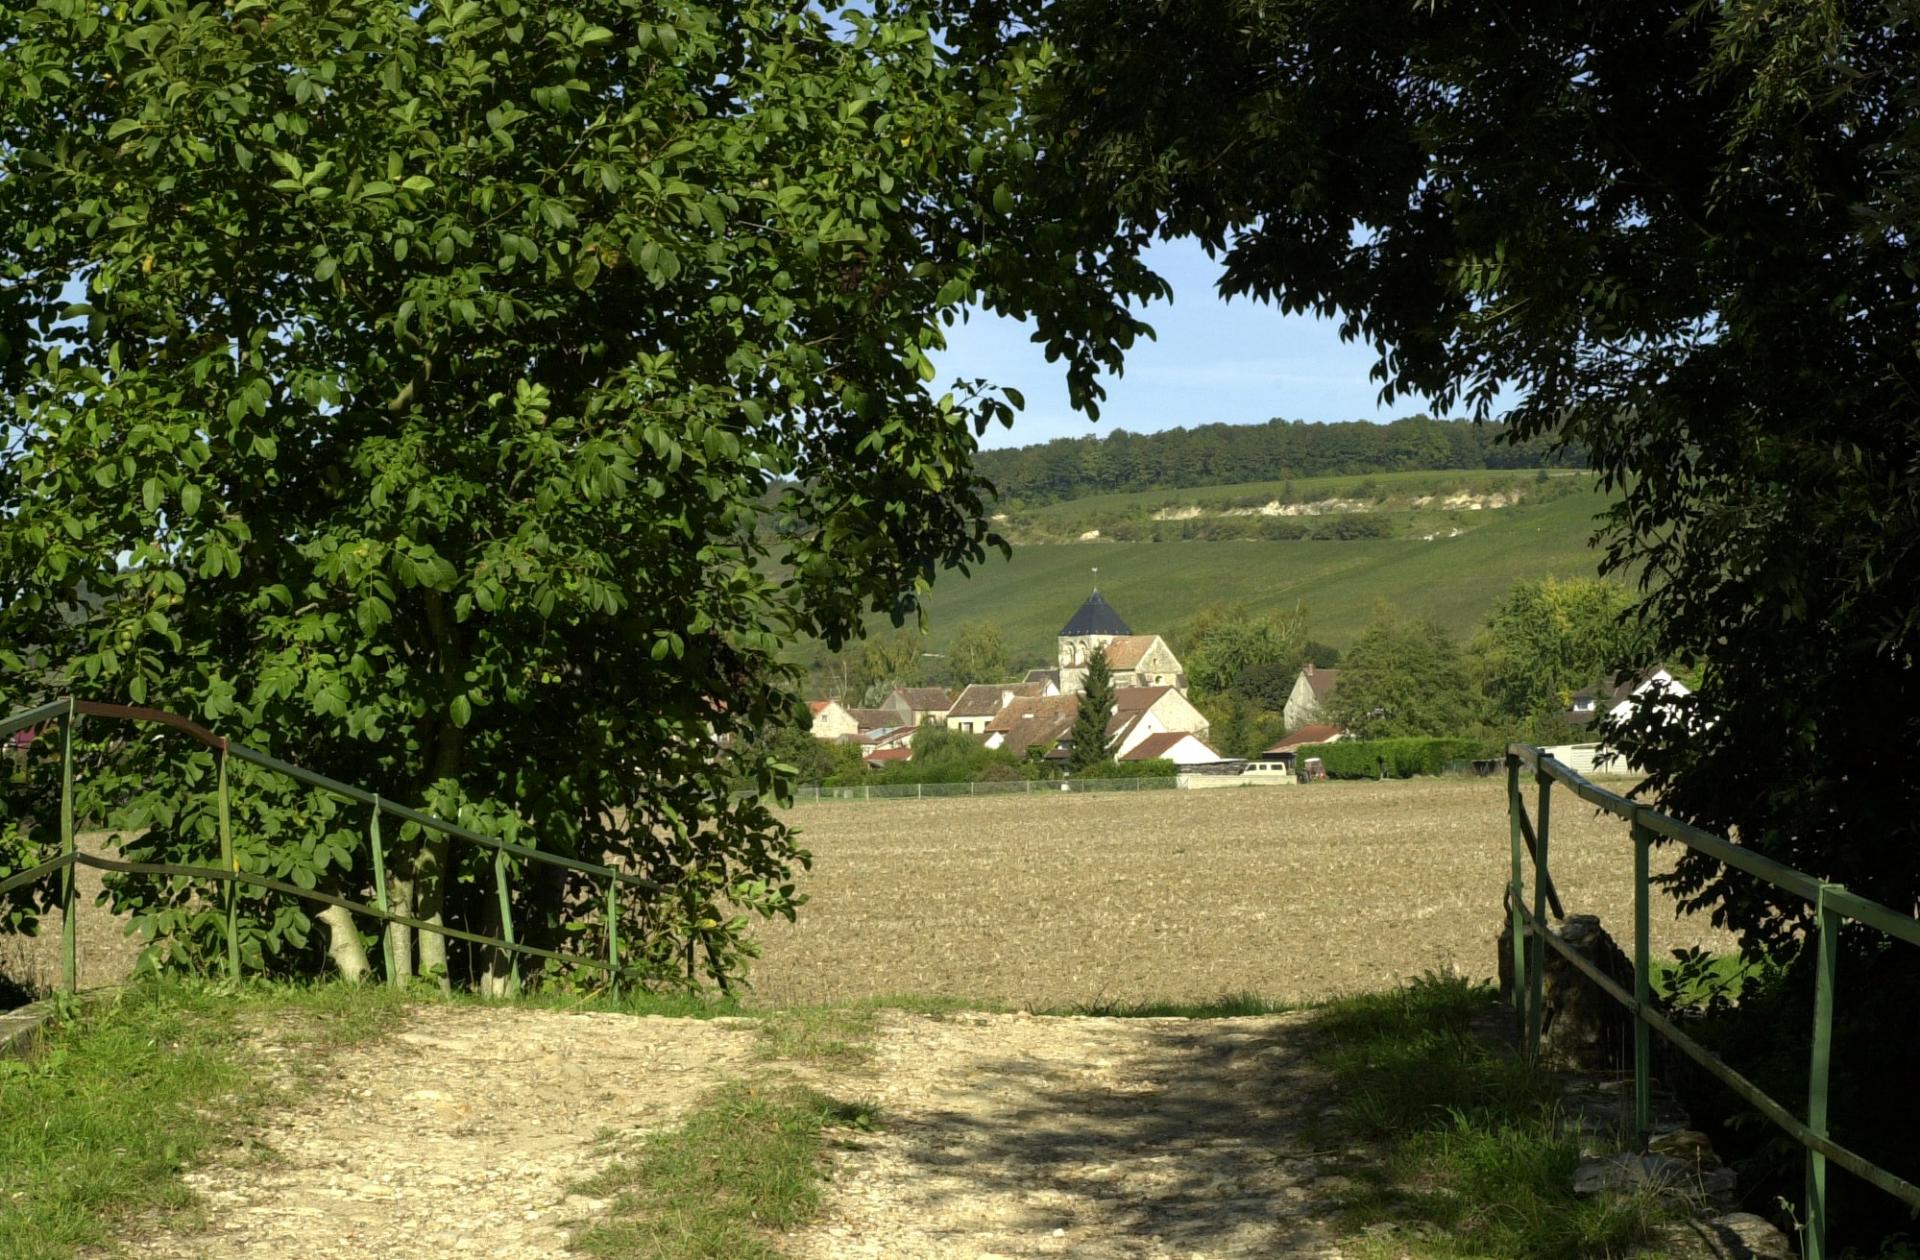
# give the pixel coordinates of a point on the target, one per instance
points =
(1287, 893)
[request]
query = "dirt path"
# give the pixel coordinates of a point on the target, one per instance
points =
(1001, 1136)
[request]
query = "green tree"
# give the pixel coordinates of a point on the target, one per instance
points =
(977, 654)
(1096, 709)
(1403, 676)
(1549, 637)
(883, 663)
(432, 370)
(1225, 644)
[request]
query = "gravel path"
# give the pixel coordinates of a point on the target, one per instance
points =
(1000, 1136)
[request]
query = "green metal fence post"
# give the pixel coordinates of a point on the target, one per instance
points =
(506, 916)
(1642, 965)
(380, 893)
(613, 933)
(1537, 971)
(1513, 896)
(69, 903)
(232, 864)
(1827, 963)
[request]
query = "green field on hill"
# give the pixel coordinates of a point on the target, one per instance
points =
(1158, 586)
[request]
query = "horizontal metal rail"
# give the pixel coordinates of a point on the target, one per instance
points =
(1831, 904)
(230, 874)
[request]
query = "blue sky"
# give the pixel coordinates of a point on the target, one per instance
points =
(1237, 362)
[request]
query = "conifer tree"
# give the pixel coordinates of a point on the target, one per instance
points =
(1096, 706)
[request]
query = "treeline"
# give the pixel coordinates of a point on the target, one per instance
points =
(1225, 454)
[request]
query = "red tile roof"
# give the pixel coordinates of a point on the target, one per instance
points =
(889, 754)
(1316, 733)
(1154, 746)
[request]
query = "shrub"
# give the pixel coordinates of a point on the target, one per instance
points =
(1404, 757)
(1158, 768)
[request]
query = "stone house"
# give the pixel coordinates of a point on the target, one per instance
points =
(832, 720)
(976, 706)
(1313, 688)
(1139, 713)
(920, 706)
(1032, 721)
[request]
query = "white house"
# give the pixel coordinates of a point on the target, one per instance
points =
(832, 720)
(1180, 747)
(1139, 713)
(1313, 688)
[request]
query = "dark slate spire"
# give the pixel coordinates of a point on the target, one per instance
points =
(1096, 616)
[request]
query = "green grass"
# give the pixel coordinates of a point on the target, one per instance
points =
(1473, 1161)
(744, 1167)
(1157, 586)
(98, 1123)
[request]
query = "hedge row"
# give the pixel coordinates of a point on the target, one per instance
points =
(1404, 757)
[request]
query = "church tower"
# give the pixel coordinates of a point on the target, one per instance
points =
(1095, 625)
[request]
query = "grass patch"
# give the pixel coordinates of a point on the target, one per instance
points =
(1227, 1006)
(744, 1167)
(1475, 1164)
(98, 1123)
(819, 1034)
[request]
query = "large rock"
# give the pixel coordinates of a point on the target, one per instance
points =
(1735, 1236)
(1582, 1027)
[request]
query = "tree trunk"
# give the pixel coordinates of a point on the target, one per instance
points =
(430, 876)
(343, 944)
(495, 977)
(399, 935)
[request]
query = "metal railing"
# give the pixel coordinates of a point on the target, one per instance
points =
(231, 872)
(916, 791)
(1831, 903)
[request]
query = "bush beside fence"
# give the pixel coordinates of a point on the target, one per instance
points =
(1404, 757)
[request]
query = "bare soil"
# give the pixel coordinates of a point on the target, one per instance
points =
(1291, 893)
(1000, 1135)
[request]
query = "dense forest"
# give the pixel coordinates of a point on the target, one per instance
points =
(1225, 454)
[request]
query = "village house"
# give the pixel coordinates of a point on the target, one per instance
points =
(1140, 713)
(1617, 702)
(1179, 747)
(1285, 750)
(867, 721)
(1137, 660)
(920, 706)
(977, 704)
(832, 720)
(1032, 721)
(1312, 689)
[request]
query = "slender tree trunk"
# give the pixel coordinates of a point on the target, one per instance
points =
(430, 877)
(495, 977)
(343, 944)
(430, 870)
(399, 935)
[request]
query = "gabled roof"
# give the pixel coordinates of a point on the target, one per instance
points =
(877, 719)
(1126, 651)
(924, 699)
(1043, 676)
(1096, 616)
(983, 699)
(1027, 709)
(816, 706)
(1154, 746)
(1323, 682)
(1137, 699)
(888, 754)
(1315, 733)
